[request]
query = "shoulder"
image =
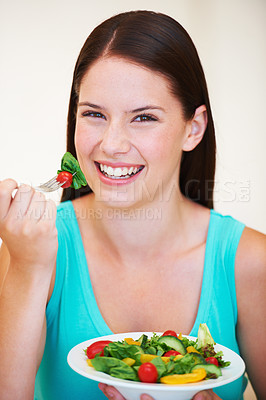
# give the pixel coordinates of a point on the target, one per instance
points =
(251, 304)
(250, 272)
(251, 255)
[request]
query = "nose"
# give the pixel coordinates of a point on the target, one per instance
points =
(115, 140)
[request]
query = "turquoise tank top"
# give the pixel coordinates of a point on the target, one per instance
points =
(73, 315)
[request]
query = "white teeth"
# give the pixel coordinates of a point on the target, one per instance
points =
(110, 171)
(119, 172)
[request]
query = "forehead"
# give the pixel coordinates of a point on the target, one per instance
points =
(121, 75)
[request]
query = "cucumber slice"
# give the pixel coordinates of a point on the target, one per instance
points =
(173, 343)
(143, 340)
(211, 370)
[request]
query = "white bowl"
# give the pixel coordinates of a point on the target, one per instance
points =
(132, 390)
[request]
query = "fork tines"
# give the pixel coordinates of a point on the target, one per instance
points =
(51, 185)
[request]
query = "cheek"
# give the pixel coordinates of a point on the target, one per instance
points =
(79, 140)
(163, 148)
(83, 141)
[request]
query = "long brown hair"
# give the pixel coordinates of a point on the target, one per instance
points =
(161, 44)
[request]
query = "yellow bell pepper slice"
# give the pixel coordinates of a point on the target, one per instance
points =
(131, 341)
(129, 361)
(89, 362)
(180, 336)
(178, 357)
(176, 379)
(191, 349)
(149, 357)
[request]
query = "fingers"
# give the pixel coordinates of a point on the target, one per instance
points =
(28, 215)
(36, 207)
(110, 392)
(21, 202)
(49, 212)
(6, 188)
(27, 203)
(206, 395)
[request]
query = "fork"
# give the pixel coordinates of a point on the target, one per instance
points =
(52, 185)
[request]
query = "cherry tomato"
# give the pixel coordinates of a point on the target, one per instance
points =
(97, 348)
(147, 372)
(212, 360)
(171, 353)
(66, 177)
(169, 333)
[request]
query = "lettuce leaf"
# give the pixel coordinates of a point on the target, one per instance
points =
(122, 350)
(114, 367)
(204, 336)
(70, 164)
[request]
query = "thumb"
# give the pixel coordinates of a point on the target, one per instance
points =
(205, 395)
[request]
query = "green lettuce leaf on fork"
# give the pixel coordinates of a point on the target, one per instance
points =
(70, 164)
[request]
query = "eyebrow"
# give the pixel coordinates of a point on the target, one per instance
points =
(85, 103)
(147, 107)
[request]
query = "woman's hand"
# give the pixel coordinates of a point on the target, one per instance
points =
(27, 226)
(112, 394)
(206, 395)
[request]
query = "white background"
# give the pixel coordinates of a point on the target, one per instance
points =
(40, 41)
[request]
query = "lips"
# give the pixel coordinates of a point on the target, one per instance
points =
(118, 172)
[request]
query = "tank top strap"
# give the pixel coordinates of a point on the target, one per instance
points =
(68, 232)
(226, 233)
(219, 266)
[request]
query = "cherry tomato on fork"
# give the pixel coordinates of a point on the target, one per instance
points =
(97, 348)
(148, 373)
(66, 177)
(170, 333)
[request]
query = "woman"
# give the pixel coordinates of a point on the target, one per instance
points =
(141, 127)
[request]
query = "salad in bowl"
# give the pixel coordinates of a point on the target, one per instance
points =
(167, 366)
(168, 358)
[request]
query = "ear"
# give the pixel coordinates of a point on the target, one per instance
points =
(196, 128)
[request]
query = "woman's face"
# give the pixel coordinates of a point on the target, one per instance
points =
(130, 133)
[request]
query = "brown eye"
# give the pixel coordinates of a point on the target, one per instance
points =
(93, 114)
(144, 118)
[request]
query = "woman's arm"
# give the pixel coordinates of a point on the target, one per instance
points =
(251, 302)
(27, 228)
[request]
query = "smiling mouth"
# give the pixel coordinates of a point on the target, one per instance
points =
(118, 172)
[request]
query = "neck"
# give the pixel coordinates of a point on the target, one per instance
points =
(142, 231)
